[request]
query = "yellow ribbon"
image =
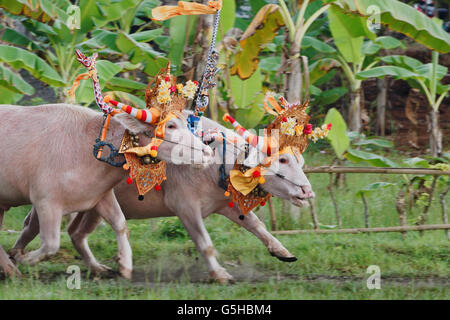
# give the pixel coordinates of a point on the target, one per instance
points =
(245, 182)
(143, 151)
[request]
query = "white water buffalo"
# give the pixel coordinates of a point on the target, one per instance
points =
(193, 195)
(47, 158)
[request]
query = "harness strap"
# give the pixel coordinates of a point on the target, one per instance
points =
(100, 144)
(223, 179)
(103, 132)
(201, 99)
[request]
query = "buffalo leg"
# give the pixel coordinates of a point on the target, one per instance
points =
(255, 226)
(80, 228)
(49, 228)
(109, 209)
(29, 231)
(5, 263)
(197, 231)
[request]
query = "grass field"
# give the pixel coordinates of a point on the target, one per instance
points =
(167, 265)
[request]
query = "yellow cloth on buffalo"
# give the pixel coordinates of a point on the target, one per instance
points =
(244, 182)
(144, 151)
(185, 8)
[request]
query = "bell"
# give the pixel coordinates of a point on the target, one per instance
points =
(135, 144)
(147, 160)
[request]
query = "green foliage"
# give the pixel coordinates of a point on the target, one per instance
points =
(426, 77)
(338, 133)
(399, 17)
(13, 82)
(227, 18)
(374, 141)
(19, 58)
(261, 31)
(375, 186)
(348, 34)
(246, 91)
(171, 228)
(85, 92)
(47, 11)
(375, 160)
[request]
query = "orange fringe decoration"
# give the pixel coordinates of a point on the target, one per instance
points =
(185, 8)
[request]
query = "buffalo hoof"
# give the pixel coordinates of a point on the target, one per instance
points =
(99, 268)
(12, 271)
(287, 259)
(16, 254)
(7, 265)
(284, 258)
(33, 257)
(221, 276)
(126, 273)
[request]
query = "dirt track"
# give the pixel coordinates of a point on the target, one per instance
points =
(150, 276)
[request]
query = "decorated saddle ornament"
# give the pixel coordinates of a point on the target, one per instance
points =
(165, 99)
(289, 132)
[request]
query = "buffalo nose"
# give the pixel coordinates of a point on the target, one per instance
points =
(307, 191)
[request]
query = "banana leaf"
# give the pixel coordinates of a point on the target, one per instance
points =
(261, 30)
(19, 58)
(399, 17)
(14, 82)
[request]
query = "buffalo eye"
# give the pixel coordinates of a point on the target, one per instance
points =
(283, 160)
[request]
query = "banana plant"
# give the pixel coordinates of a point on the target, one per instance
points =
(297, 20)
(297, 25)
(46, 50)
(398, 17)
(426, 77)
(356, 46)
(349, 24)
(354, 146)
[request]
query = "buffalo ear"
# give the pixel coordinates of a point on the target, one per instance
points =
(133, 125)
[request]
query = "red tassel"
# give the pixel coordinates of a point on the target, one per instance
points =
(157, 187)
(231, 204)
(129, 181)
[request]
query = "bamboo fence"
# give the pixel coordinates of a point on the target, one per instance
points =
(421, 226)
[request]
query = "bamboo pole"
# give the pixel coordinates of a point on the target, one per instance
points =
(424, 216)
(366, 210)
(273, 216)
(314, 217)
(335, 204)
(363, 230)
(327, 169)
(400, 206)
(444, 210)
